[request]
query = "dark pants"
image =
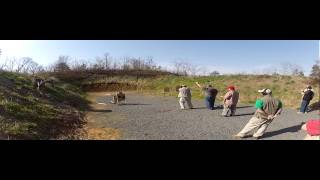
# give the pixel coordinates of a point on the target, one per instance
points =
(304, 106)
(209, 102)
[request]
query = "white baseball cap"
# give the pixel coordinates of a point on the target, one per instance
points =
(265, 90)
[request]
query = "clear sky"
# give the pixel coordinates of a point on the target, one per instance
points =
(224, 56)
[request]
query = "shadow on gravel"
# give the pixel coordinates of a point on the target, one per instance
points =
(199, 108)
(314, 107)
(100, 110)
(244, 107)
(291, 129)
(247, 114)
(133, 104)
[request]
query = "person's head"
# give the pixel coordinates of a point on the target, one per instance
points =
(210, 86)
(309, 87)
(265, 91)
(184, 85)
(231, 88)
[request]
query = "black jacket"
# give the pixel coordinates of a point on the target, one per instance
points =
(308, 95)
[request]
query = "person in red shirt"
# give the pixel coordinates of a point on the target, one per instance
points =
(313, 129)
(230, 100)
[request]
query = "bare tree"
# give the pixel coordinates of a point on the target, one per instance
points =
(62, 64)
(107, 62)
(214, 73)
(3, 64)
(115, 65)
(183, 68)
(203, 71)
(34, 68)
(193, 70)
(127, 63)
(79, 65)
(178, 68)
(270, 70)
(100, 64)
(22, 64)
(10, 64)
(291, 69)
(315, 72)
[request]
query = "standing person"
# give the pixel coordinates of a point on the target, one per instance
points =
(210, 95)
(268, 108)
(307, 97)
(119, 96)
(230, 101)
(185, 97)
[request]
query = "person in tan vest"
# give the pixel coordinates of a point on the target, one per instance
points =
(185, 97)
(268, 108)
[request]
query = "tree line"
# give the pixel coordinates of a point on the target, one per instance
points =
(108, 64)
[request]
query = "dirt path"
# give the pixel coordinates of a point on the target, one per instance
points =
(149, 117)
(97, 116)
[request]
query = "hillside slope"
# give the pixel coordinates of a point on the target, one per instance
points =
(26, 113)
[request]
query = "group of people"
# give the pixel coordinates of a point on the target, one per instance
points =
(267, 108)
(230, 99)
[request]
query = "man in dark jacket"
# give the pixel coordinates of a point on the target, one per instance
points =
(307, 97)
(210, 95)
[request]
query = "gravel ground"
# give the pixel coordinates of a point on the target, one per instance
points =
(159, 118)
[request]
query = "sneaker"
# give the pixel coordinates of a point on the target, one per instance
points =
(237, 136)
(257, 138)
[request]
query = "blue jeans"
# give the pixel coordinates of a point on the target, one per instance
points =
(304, 106)
(209, 102)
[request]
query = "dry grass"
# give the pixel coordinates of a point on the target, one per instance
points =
(103, 134)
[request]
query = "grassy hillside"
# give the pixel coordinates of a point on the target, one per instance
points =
(286, 88)
(25, 113)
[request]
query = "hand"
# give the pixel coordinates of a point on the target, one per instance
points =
(271, 117)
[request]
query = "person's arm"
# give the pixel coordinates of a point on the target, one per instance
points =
(261, 111)
(312, 95)
(198, 85)
(279, 111)
(259, 106)
(227, 96)
(179, 94)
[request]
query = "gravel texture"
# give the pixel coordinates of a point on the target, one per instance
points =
(159, 118)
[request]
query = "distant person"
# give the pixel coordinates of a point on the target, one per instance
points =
(307, 97)
(313, 129)
(185, 97)
(210, 95)
(230, 101)
(268, 108)
(118, 97)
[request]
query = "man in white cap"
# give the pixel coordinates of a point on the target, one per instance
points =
(268, 108)
(185, 97)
